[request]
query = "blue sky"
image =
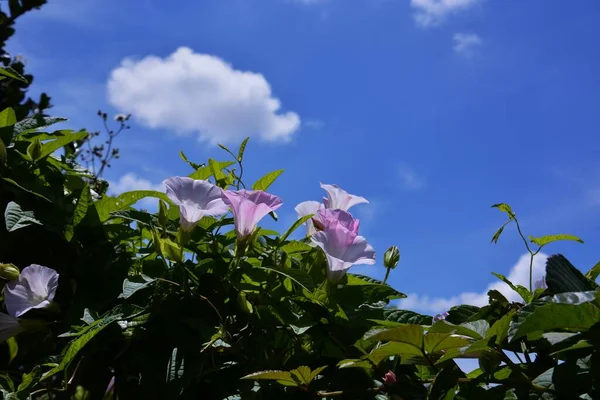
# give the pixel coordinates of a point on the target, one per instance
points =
(432, 109)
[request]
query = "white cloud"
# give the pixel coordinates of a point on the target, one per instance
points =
(519, 275)
(409, 179)
(433, 12)
(131, 181)
(200, 93)
(466, 43)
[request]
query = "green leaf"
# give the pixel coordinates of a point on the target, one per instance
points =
(544, 240)
(52, 146)
(206, 171)
(81, 208)
(7, 118)
(107, 204)
(167, 248)
(462, 313)
(216, 170)
(436, 343)
(407, 317)
(295, 247)
(298, 276)
(593, 273)
(86, 335)
(267, 180)
(13, 348)
(408, 351)
(190, 163)
(36, 122)
(17, 218)
(240, 156)
(135, 283)
(505, 208)
(476, 329)
(521, 290)
(562, 276)
(29, 380)
(409, 334)
(499, 232)
(11, 73)
(369, 291)
(295, 226)
(302, 374)
(573, 312)
(282, 377)
(500, 328)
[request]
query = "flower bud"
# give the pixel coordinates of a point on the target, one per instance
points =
(389, 378)
(391, 257)
(34, 150)
(9, 272)
(440, 317)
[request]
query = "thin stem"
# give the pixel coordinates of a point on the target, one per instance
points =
(387, 274)
(530, 253)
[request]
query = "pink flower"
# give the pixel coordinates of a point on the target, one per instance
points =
(338, 198)
(541, 283)
(440, 317)
(329, 219)
(249, 207)
(343, 249)
(389, 378)
(195, 198)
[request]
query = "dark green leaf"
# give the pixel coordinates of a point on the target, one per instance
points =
(521, 290)
(562, 276)
(206, 171)
(295, 226)
(407, 317)
(240, 156)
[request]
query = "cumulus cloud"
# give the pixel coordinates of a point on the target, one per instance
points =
(466, 43)
(433, 12)
(519, 275)
(130, 182)
(194, 93)
(409, 179)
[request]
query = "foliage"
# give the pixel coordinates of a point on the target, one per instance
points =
(146, 310)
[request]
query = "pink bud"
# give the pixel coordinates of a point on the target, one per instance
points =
(389, 378)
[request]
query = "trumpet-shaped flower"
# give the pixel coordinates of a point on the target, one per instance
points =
(440, 317)
(343, 249)
(35, 288)
(195, 198)
(249, 207)
(329, 219)
(307, 208)
(338, 198)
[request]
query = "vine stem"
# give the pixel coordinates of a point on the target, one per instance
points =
(531, 253)
(387, 274)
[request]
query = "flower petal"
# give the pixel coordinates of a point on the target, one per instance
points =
(307, 208)
(195, 198)
(330, 218)
(339, 198)
(249, 207)
(35, 288)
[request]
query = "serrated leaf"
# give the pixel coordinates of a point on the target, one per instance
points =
(135, 283)
(87, 334)
(283, 377)
(562, 276)
(573, 312)
(521, 290)
(16, 218)
(206, 171)
(267, 180)
(544, 240)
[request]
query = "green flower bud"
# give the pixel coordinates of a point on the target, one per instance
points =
(9, 272)
(391, 257)
(34, 151)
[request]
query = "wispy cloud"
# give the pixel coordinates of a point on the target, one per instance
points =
(198, 93)
(466, 43)
(433, 12)
(409, 179)
(519, 275)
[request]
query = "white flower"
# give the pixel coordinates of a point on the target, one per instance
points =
(35, 288)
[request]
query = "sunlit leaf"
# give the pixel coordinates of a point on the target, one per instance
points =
(544, 240)
(267, 180)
